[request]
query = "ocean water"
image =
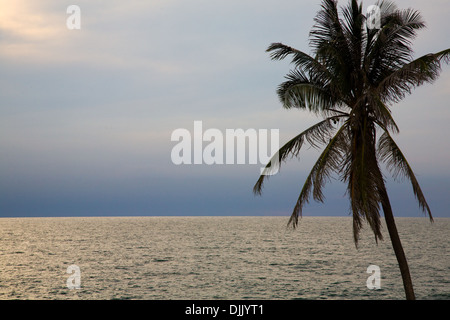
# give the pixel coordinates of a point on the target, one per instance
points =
(216, 258)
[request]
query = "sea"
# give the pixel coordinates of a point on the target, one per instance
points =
(226, 258)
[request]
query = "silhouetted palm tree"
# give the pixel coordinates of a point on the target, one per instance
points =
(352, 78)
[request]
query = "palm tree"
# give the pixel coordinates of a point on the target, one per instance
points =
(352, 78)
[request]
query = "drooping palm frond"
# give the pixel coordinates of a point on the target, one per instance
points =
(301, 92)
(381, 112)
(396, 163)
(364, 179)
(316, 135)
(328, 162)
(304, 63)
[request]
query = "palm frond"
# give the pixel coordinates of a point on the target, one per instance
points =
(364, 178)
(390, 47)
(382, 113)
(315, 135)
(327, 28)
(400, 82)
(328, 162)
(300, 92)
(397, 164)
(303, 62)
(353, 31)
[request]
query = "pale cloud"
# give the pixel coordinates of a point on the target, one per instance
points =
(36, 32)
(27, 28)
(27, 20)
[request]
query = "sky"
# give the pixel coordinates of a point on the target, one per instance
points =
(87, 115)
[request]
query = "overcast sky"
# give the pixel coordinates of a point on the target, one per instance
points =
(86, 116)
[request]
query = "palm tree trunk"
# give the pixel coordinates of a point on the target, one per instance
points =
(397, 245)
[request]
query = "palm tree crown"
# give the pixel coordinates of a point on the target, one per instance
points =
(352, 78)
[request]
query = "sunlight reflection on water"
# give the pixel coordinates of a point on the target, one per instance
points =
(216, 258)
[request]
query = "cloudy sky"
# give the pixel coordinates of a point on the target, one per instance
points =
(86, 116)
